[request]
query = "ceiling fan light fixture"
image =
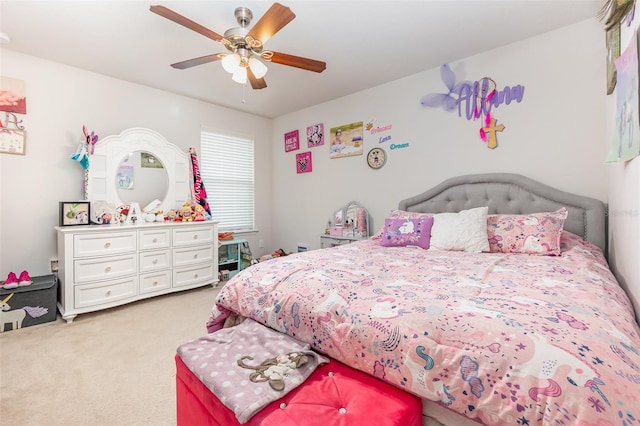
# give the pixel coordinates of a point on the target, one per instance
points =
(240, 75)
(231, 63)
(257, 67)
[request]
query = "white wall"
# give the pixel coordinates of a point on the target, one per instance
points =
(555, 135)
(60, 100)
(624, 202)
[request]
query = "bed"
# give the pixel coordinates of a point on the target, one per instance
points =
(512, 330)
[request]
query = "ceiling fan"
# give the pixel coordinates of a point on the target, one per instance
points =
(245, 45)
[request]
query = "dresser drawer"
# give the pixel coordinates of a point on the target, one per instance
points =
(192, 235)
(192, 255)
(193, 275)
(104, 268)
(154, 260)
(153, 239)
(105, 292)
(104, 244)
(155, 281)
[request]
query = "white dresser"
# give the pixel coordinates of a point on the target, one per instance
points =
(102, 266)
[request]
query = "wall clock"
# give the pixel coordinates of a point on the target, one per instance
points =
(376, 158)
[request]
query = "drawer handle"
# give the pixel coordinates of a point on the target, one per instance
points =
(108, 293)
(155, 283)
(195, 275)
(155, 240)
(107, 245)
(155, 261)
(107, 269)
(195, 256)
(195, 237)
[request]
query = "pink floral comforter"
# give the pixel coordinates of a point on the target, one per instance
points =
(508, 339)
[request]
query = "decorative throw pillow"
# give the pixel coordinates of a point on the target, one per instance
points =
(407, 232)
(401, 214)
(537, 233)
(462, 231)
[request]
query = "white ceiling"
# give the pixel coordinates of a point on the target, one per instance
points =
(364, 43)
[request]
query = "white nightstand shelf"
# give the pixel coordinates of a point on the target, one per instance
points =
(230, 258)
(331, 241)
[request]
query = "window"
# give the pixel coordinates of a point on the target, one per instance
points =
(226, 168)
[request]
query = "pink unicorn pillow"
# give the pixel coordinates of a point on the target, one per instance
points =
(537, 233)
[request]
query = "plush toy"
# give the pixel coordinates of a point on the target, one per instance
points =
(172, 215)
(185, 212)
(198, 213)
(121, 213)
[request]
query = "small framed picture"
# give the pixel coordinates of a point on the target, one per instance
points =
(74, 213)
(291, 141)
(304, 163)
(13, 141)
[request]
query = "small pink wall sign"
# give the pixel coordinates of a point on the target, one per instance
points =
(291, 141)
(315, 135)
(303, 162)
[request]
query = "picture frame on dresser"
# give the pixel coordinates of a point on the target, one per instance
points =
(74, 213)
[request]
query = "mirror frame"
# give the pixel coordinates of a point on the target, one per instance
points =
(100, 178)
(344, 214)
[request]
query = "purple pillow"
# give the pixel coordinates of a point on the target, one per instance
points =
(407, 232)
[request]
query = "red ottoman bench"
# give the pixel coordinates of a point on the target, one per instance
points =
(333, 394)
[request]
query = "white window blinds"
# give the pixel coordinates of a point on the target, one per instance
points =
(226, 167)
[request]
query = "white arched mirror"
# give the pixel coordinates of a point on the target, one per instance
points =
(138, 165)
(354, 220)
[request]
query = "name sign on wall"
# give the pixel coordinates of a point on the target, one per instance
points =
(474, 101)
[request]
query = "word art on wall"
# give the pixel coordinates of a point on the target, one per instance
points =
(475, 100)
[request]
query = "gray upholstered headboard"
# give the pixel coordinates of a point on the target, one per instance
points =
(507, 193)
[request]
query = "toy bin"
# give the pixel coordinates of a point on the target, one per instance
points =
(30, 305)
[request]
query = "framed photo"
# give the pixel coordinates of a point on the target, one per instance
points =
(613, 52)
(74, 213)
(13, 141)
(291, 141)
(346, 140)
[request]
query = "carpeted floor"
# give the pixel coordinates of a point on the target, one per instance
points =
(113, 367)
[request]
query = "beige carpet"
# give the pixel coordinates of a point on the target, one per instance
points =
(113, 367)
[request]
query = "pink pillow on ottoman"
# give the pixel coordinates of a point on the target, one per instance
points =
(537, 233)
(407, 232)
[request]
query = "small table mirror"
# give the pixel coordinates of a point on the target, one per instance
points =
(354, 219)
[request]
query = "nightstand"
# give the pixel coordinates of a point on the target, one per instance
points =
(230, 258)
(332, 241)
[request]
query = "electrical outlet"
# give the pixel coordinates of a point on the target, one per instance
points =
(260, 243)
(54, 265)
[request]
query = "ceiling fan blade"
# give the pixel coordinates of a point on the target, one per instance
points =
(186, 22)
(196, 61)
(298, 62)
(271, 22)
(256, 83)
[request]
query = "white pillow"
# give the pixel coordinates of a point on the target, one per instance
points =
(463, 231)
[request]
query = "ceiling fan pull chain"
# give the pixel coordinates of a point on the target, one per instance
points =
(243, 87)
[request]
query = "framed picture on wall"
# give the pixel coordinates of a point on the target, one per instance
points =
(346, 140)
(74, 213)
(13, 141)
(315, 135)
(304, 162)
(291, 141)
(613, 52)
